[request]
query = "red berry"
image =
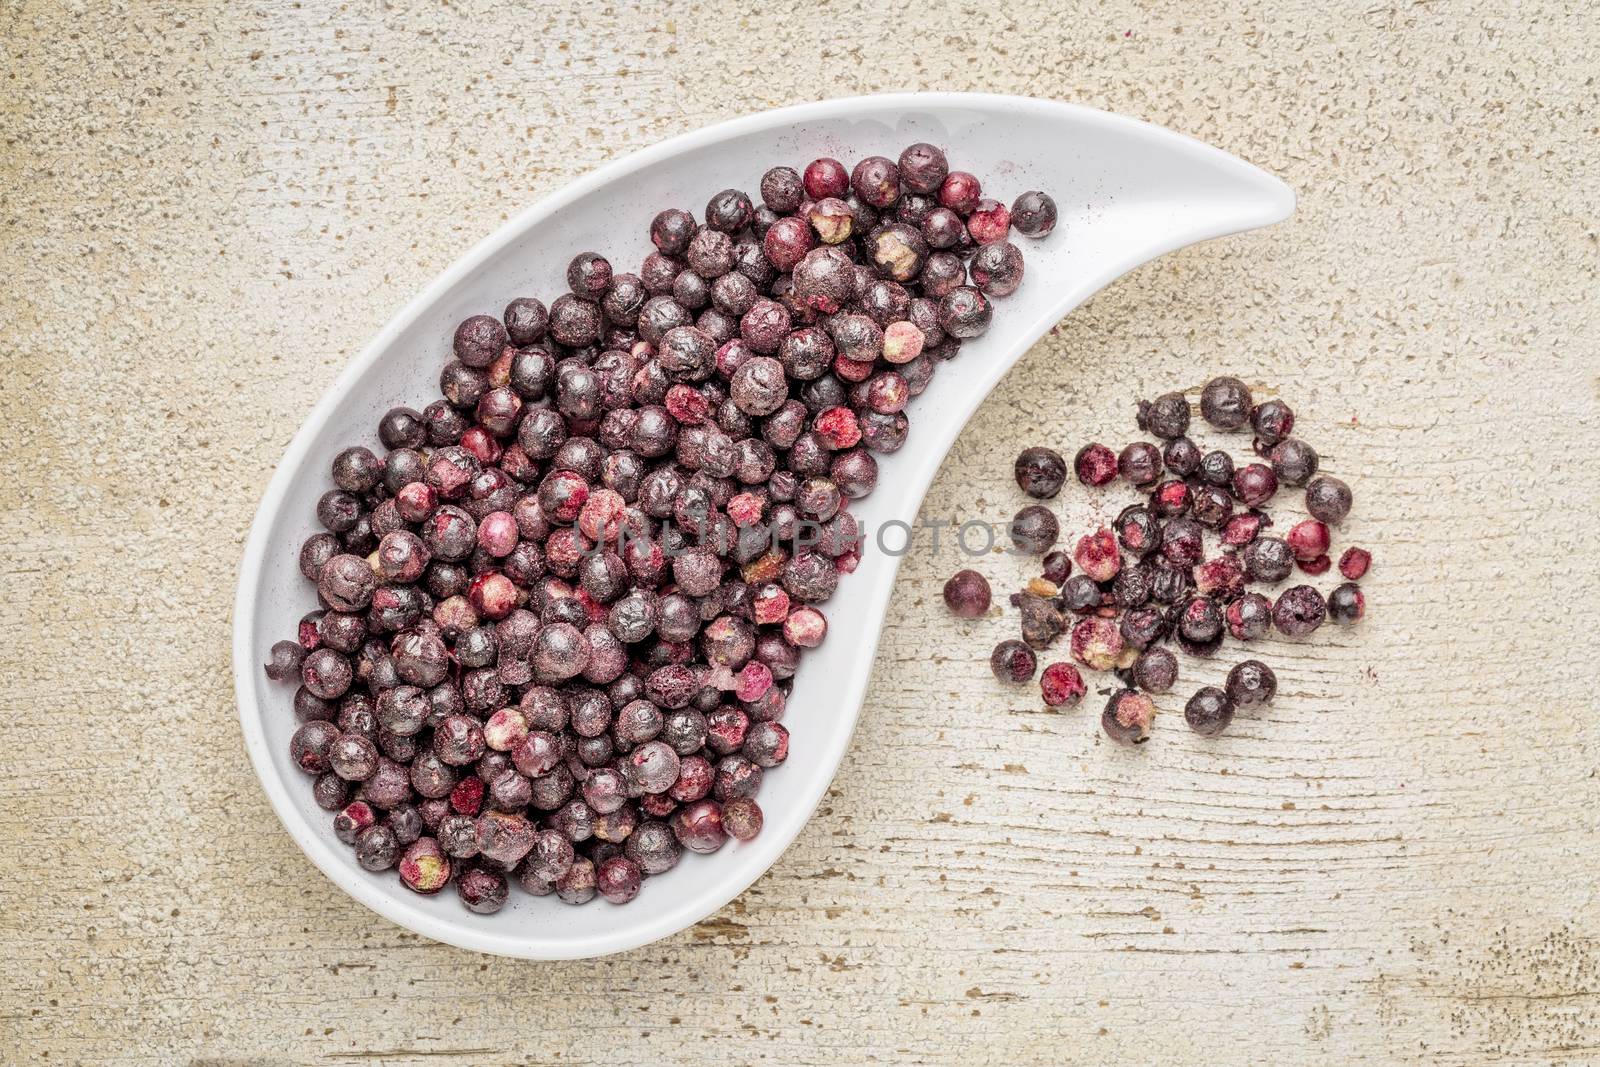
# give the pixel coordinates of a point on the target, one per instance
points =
(1095, 464)
(1062, 686)
(1308, 539)
(1354, 563)
(838, 427)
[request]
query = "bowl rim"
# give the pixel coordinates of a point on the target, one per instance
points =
(383, 896)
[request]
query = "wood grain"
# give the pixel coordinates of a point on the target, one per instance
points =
(206, 209)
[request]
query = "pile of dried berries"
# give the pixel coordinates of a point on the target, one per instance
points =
(1148, 578)
(561, 614)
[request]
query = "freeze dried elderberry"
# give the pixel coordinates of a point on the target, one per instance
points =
(1293, 461)
(1200, 624)
(1299, 610)
(1268, 560)
(1012, 662)
(1142, 627)
(1127, 717)
(1033, 214)
(1250, 683)
(1034, 530)
(1347, 604)
(1209, 711)
(1140, 463)
(1080, 594)
(1040, 472)
(1041, 620)
(1249, 617)
(1353, 564)
(1095, 464)
(1167, 416)
(1062, 686)
(1225, 403)
(966, 594)
(560, 611)
(1328, 499)
(1156, 670)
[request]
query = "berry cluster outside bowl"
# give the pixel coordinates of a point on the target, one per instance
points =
(1127, 192)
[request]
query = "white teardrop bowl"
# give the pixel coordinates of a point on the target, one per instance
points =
(1127, 192)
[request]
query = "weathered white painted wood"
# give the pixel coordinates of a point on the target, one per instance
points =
(206, 212)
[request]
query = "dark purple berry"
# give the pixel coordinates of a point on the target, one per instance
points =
(1272, 420)
(965, 312)
(1216, 468)
(997, 269)
(376, 848)
(1347, 604)
(1182, 456)
(1200, 621)
(330, 791)
(1182, 542)
(1328, 499)
(1033, 214)
(1208, 712)
(671, 231)
(1300, 610)
(311, 745)
(876, 180)
(283, 664)
(525, 320)
(589, 275)
(1056, 567)
(479, 340)
(1211, 506)
(1167, 417)
(353, 757)
(481, 890)
(1142, 627)
(1254, 484)
(1034, 530)
(1156, 670)
(1140, 463)
(402, 427)
(574, 321)
(1251, 683)
(729, 211)
(1080, 594)
(1293, 461)
(1137, 530)
(1249, 617)
(1170, 584)
(782, 189)
(1268, 560)
(1040, 472)
(967, 595)
(1225, 403)
(923, 168)
(1012, 661)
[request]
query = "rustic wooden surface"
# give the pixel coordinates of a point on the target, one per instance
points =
(207, 209)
